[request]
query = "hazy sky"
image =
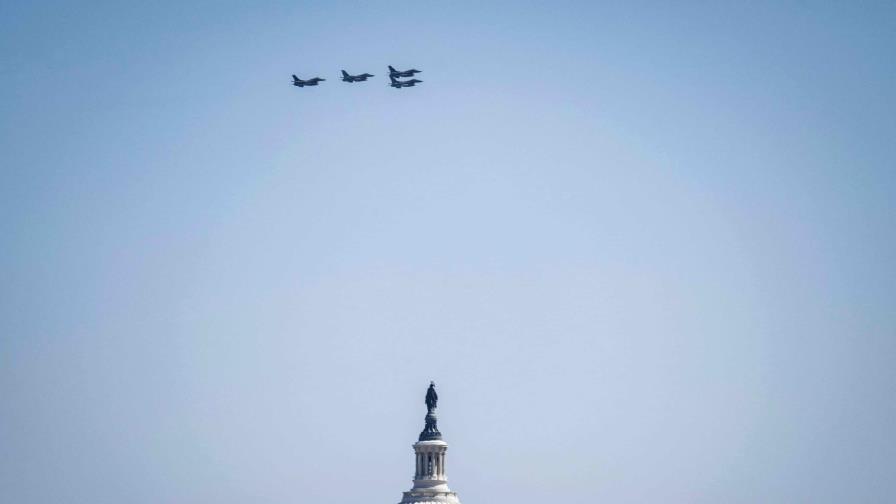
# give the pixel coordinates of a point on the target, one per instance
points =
(647, 251)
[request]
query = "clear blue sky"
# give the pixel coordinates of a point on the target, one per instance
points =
(646, 251)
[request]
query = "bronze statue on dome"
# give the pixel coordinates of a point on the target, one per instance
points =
(431, 430)
(432, 399)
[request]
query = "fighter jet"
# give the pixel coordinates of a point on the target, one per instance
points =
(355, 78)
(399, 73)
(302, 83)
(397, 84)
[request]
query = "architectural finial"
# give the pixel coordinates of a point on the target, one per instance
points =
(431, 431)
(430, 452)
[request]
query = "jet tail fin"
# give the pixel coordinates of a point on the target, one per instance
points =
(294, 77)
(392, 69)
(344, 73)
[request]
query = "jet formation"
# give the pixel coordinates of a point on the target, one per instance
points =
(347, 77)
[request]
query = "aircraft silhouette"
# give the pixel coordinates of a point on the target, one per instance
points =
(355, 78)
(302, 83)
(397, 84)
(402, 73)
